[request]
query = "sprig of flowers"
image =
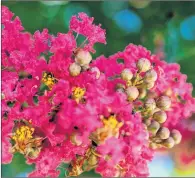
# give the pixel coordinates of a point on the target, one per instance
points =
(61, 106)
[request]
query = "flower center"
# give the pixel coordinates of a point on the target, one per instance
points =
(49, 80)
(22, 136)
(111, 122)
(110, 129)
(25, 143)
(78, 93)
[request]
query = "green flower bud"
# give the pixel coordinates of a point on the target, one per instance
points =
(150, 76)
(153, 127)
(164, 102)
(163, 133)
(160, 116)
(150, 104)
(176, 135)
(2, 96)
(74, 69)
(147, 122)
(149, 85)
(143, 65)
(126, 74)
(169, 142)
(83, 58)
(132, 93)
(142, 93)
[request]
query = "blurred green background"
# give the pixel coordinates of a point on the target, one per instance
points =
(166, 28)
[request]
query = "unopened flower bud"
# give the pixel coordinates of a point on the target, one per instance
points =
(149, 85)
(176, 135)
(74, 69)
(142, 93)
(97, 71)
(169, 142)
(143, 65)
(160, 116)
(126, 74)
(164, 102)
(147, 122)
(163, 133)
(83, 58)
(150, 76)
(132, 93)
(153, 127)
(75, 139)
(2, 96)
(150, 104)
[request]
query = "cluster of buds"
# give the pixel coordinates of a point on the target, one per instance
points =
(82, 61)
(160, 136)
(137, 84)
(153, 108)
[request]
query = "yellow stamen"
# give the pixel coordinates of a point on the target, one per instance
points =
(78, 93)
(48, 80)
(110, 122)
(25, 143)
(110, 129)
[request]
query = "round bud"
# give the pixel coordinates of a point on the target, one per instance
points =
(132, 93)
(2, 96)
(176, 135)
(160, 116)
(147, 122)
(149, 85)
(164, 102)
(153, 127)
(97, 71)
(83, 57)
(169, 142)
(163, 133)
(74, 138)
(143, 65)
(150, 104)
(74, 69)
(142, 93)
(126, 74)
(150, 76)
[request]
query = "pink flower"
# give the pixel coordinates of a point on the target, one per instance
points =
(7, 126)
(84, 25)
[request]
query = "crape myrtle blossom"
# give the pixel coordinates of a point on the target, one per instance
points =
(61, 106)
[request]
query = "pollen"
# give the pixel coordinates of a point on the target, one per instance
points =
(111, 127)
(49, 80)
(22, 136)
(78, 93)
(111, 122)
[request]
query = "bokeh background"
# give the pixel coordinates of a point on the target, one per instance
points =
(166, 28)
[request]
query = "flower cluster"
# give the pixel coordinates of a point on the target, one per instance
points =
(61, 106)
